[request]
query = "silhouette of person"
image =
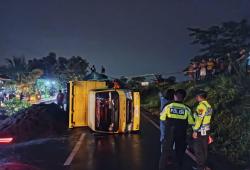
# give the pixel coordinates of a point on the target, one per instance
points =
(103, 70)
(93, 69)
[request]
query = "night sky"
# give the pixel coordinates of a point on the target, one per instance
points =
(128, 37)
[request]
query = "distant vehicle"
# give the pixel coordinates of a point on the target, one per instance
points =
(103, 109)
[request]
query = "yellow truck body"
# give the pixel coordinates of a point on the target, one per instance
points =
(78, 101)
(103, 110)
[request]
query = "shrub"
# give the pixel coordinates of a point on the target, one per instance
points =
(14, 105)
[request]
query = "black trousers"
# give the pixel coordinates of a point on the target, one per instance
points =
(200, 149)
(173, 135)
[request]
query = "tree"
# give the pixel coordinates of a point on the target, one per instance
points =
(50, 62)
(54, 66)
(47, 64)
(171, 80)
(138, 79)
(123, 79)
(61, 68)
(74, 68)
(16, 68)
(217, 41)
(61, 64)
(77, 66)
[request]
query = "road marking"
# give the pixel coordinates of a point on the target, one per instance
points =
(151, 121)
(190, 154)
(74, 151)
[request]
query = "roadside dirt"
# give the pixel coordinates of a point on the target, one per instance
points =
(38, 121)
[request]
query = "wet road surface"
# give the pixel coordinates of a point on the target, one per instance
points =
(95, 152)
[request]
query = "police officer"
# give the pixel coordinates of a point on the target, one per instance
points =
(165, 99)
(201, 129)
(177, 116)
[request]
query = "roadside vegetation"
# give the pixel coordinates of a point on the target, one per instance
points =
(14, 105)
(228, 91)
(229, 97)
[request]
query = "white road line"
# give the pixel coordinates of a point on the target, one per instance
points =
(74, 151)
(190, 154)
(151, 121)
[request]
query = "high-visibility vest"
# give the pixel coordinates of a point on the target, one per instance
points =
(203, 116)
(177, 111)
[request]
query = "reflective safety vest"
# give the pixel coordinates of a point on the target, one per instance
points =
(203, 116)
(177, 111)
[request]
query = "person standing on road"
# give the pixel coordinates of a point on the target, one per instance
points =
(177, 116)
(65, 102)
(60, 98)
(165, 99)
(201, 129)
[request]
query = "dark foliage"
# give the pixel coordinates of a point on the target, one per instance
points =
(217, 41)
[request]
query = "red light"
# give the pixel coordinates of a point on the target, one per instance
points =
(6, 140)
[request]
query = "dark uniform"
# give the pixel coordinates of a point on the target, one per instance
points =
(202, 127)
(177, 116)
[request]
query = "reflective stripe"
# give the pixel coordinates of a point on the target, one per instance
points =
(209, 109)
(175, 111)
(209, 112)
(200, 115)
(205, 127)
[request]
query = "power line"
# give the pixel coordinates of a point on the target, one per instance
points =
(155, 74)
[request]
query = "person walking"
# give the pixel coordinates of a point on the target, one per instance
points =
(177, 116)
(60, 98)
(201, 129)
(165, 99)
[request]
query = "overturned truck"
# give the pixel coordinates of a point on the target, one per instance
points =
(93, 104)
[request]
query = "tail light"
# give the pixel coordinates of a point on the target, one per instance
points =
(6, 140)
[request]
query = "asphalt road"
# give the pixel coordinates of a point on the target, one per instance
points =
(96, 152)
(81, 149)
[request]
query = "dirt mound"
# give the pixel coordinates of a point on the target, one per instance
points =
(38, 121)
